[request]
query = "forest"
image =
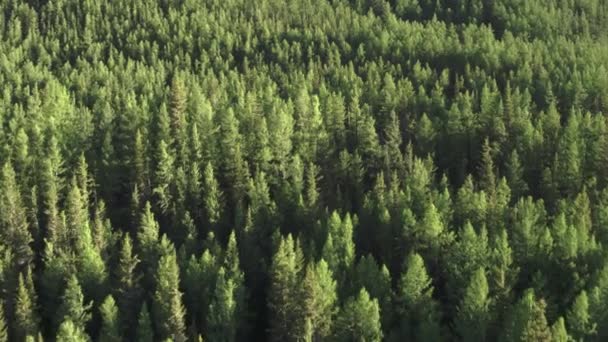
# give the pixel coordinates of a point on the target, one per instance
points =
(303, 170)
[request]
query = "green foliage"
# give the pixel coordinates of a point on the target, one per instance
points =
(26, 317)
(110, 325)
(474, 310)
(269, 160)
(168, 309)
(286, 264)
(144, 325)
(73, 308)
(70, 332)
(359, 319)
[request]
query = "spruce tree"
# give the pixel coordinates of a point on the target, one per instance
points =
(26, 317)
(212, 197)
(73, 307)
(474, 309)
(283, 274)
(169, 310)
(70, 332)
(359, 319)
(579, 321)
(144, 325)
(110, 324)
(223, 317)
(415, 304)
(13, 218)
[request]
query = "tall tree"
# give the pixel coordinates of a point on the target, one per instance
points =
(13, 218)
(73, 307)
(127, 289)
(26, 317)
(474, 309)
(286, 265)
(169, 312)
(416, 306)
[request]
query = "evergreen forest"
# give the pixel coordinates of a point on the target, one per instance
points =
(303, 170)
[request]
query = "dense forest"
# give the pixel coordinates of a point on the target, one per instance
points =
(303, 170)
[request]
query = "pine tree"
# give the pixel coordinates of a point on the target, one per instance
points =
(144, 325)
(148, 240)
(474, 309)
(50, 199)
(558, 331)
(526, 321)
(392, 145)
(359, 319)
(579, 321)
(282, 293)
(140, 170)
(339, 249)
(164, 177)
(377, 280)
(232, 164)
(178, 106)
(70, 332)
(515, 175)
(26, 318)
(127, 289)
(212, 197)
(317, 297)
(416, 306)
(110, 325)
(73, 307)
(223, 309)
(487, 175)
(13, 217)
(169, 310)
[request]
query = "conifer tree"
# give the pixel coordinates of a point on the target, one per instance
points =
(168, 307)
(283, 273)
(515, 175)
(474, 309)
(232, 162)
(147, 238)
(70, 332)
(110, 325)
(144, 325)
(73, 307)
(359, 319)
(26, 317)
(339, 249)
(13, 218)
(527, 321)
(558, 331)
(416, 306)
(317, 297)
(486, 170)
(164, 177)
(578, 318)
(377, 280)
(212, 197)
(127, 289)
(224, 309)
